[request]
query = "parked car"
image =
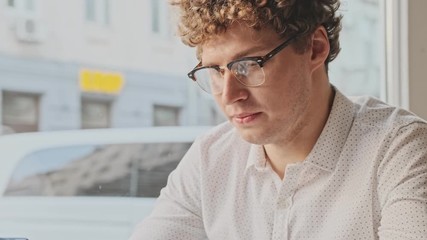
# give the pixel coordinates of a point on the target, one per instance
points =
(85, 184)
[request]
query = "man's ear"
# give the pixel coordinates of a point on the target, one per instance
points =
(319, 48)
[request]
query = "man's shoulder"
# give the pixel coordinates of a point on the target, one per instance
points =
(375, 113)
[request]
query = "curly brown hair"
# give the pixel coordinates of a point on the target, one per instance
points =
(202, 19)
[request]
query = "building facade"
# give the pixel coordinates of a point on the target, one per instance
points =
(94, 64)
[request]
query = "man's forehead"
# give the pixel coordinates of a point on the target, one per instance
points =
(237, 42)
(215, 53)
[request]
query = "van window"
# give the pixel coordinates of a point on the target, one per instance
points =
(131, 170)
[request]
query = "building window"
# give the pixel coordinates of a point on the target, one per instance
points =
(90, 10)
(98, 11)
(160, 18)
(107, 13)
(166, 115)
(29, 5)
(24, 6)
(11, 3)
(155, 17)
(95, 114)
(20, 111)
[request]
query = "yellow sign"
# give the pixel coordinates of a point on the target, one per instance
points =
(101, 82)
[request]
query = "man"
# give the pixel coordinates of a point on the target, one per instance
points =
(297, 159)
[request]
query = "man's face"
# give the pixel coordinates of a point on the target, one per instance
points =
(276, 111)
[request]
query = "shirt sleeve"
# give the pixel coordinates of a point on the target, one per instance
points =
(402, 185)
(177, 214)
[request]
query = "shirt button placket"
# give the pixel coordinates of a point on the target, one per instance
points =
(280, 230)
(284, 203)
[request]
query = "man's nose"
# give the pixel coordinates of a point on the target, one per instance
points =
(233, 90)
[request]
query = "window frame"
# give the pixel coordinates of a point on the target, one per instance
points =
(396, 53)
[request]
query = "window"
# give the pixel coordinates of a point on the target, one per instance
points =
(136, 170)
(155, 20)
(98, 11)
(357, 69)
(95, 113)
(11, 3)
(23, 6)
(136, 52)
(29, 5)
(90, 10)
(20, 111)
(107, 13)
(166, 115)
(160, 18)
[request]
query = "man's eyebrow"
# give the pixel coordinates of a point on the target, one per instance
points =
(250, 52)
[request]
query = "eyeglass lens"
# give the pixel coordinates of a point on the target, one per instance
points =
(247, 72)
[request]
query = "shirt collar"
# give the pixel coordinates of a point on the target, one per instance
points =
(256, 157)
(329, 146)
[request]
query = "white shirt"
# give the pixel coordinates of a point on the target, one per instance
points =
(365, 178)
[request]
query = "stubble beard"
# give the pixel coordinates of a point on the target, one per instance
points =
(289, 127)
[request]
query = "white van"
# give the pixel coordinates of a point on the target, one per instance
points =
(85, 184)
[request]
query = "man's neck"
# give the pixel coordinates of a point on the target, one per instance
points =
(296, 150)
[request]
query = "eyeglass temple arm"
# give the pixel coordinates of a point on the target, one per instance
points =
(278, 49)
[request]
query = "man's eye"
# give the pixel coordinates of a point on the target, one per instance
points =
(241, 69)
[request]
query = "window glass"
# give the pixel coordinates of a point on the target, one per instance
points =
(29, 5)
(136, 170)
(95, 114)
(98, 11)
(20, 111)
(11, 3)
(155, 15)
(357, 69)
(166, 115)
(160, 18)
(47, 58)
(90, 10)
(23, 7)
(136, 78)
(107, 12)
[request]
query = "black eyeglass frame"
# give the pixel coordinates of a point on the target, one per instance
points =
(260, 60)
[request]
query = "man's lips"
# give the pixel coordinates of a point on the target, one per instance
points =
(245, 117)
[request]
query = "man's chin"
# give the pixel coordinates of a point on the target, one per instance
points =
(251, 135)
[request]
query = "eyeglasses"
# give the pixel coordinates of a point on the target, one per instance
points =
(248, 71)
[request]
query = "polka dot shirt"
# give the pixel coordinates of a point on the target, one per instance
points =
(366, 178)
